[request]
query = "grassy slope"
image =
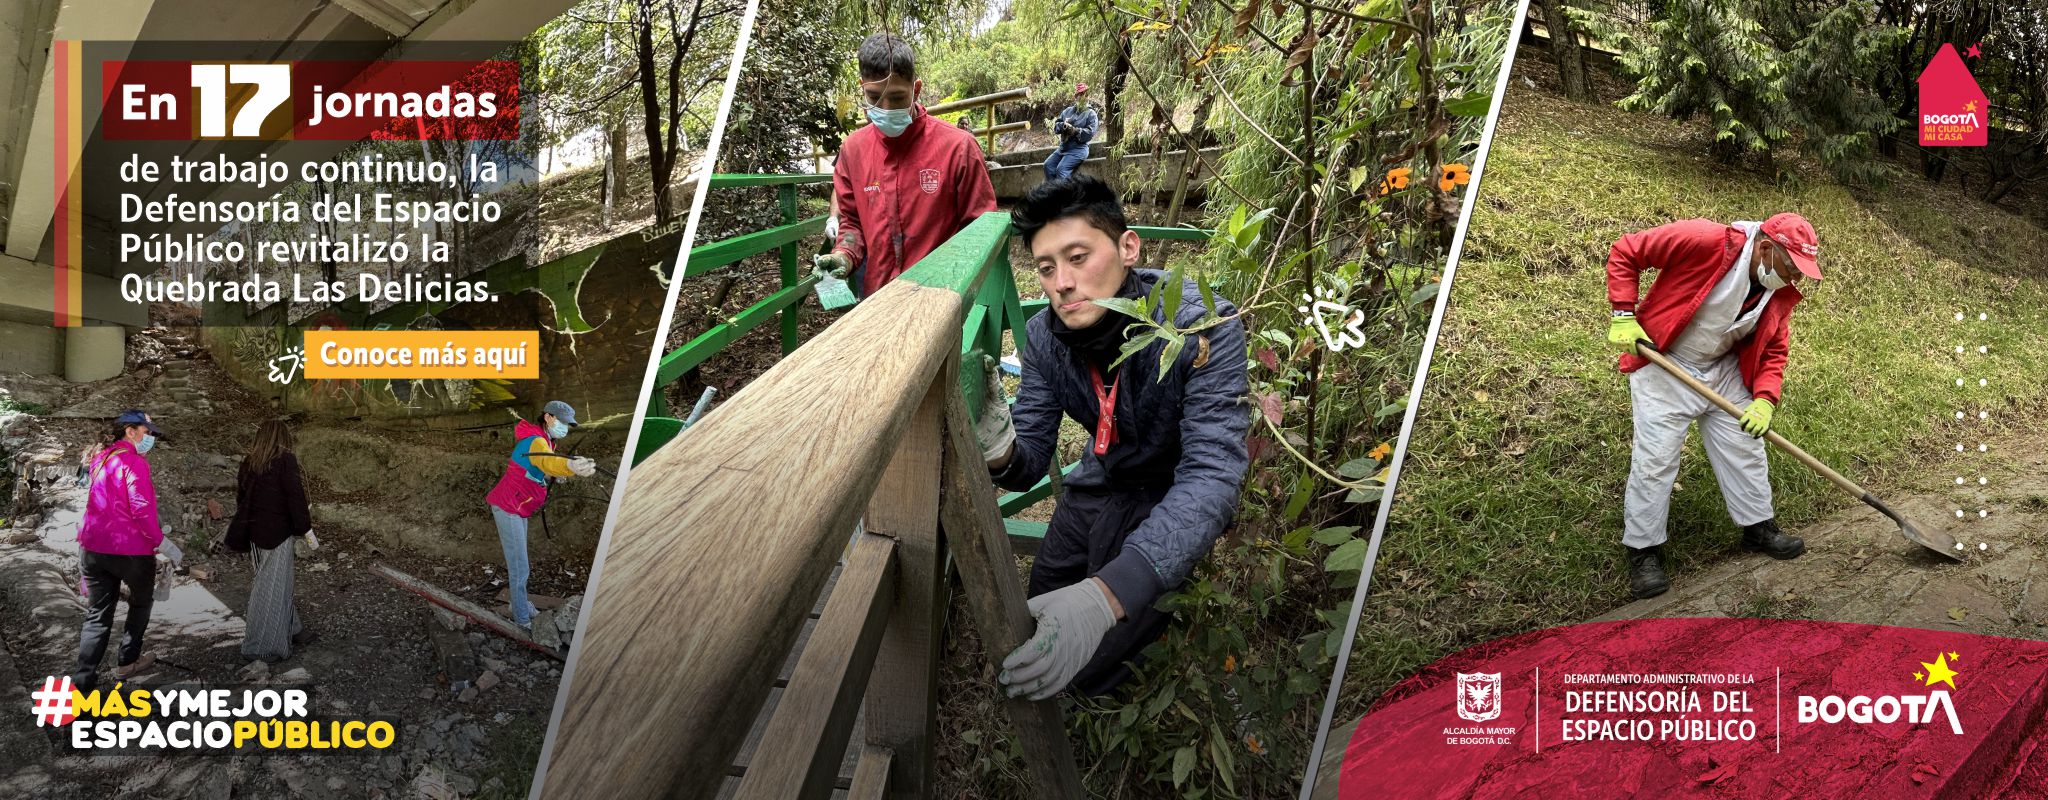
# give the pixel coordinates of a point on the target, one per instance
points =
(1509, 516)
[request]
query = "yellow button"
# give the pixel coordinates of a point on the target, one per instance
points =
(509, 355)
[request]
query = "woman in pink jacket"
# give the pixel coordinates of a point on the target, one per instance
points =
(118, 542)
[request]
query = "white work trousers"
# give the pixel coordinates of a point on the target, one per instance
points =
(1664, 408)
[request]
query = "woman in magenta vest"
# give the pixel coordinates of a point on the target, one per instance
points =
(118, 541)
(523, 489)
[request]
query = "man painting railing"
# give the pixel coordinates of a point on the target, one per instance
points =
(1159, 481)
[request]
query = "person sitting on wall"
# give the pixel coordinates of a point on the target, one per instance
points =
(523, 489)
(1075, 126)
(1159, 481)
(904, 184)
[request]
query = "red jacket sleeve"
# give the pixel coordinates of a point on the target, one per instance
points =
(970, 173)
(1770, 366)
(845, 194)
(1657, 248)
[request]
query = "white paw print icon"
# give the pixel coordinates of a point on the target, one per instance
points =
(1317, 309)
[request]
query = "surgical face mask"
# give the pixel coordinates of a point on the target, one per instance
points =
(1769, 277)
(892, 122)
(147, 442)
(557, 430)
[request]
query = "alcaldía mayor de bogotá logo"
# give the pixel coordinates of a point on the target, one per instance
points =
(1916, 709)
(1953, 109)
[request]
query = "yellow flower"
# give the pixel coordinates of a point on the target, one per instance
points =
(1381, 451)
(1230, 663)
(1251, 743)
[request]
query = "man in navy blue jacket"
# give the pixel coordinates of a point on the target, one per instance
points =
(1159, 481)
(1075, 126)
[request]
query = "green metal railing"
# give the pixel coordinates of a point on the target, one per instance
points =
(975, 263)
(660, 426)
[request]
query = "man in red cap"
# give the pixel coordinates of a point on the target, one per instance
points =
(1721, 310)
(1075, 126)
(903, 184)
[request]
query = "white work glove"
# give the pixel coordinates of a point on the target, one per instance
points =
(1071, 624)
(171, 551)
(583, 467)
(994, 431)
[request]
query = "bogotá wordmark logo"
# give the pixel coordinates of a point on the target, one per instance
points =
(1953, 109)
(1915, 709)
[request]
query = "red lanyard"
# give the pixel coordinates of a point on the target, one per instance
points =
(1105, 421)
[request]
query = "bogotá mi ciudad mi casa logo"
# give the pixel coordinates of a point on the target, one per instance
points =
(1915, 709)
(1953, 109)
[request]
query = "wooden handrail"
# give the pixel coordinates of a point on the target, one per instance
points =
(726, 536)
(713, 559)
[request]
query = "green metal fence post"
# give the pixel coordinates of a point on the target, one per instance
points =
(787, 194)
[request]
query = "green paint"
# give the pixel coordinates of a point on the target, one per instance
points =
(732, 180)
(963, 261)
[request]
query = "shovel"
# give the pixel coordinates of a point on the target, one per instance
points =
(1934, 540)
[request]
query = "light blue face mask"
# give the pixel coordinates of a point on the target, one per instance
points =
(892, 122)
(557, 430)
(147, 442)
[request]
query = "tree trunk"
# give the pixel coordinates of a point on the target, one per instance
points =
(650, 109)
(1119, 71)
(1566, 51)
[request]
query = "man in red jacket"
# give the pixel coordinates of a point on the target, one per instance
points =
(1721, 310)
(904, 184)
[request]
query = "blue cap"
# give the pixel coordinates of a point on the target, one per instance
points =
(135, 416)
(561, 410)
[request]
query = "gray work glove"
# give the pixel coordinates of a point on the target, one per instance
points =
(1071, 624)
(582, 467)
(994, 431)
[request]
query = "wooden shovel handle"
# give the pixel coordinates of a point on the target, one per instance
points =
(1644, 349)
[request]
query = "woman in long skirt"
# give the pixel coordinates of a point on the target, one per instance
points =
(270, 513)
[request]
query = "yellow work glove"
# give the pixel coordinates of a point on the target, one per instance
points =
(1756, 420)
(1623, 333)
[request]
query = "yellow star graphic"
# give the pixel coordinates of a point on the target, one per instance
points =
(1970, 106)
(1938, 672)
(1919, 677)
(1953, 657)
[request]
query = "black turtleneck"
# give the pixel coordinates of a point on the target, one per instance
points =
(1103, 341)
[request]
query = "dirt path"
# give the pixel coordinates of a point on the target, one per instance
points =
(382, 652)
(1858, 568)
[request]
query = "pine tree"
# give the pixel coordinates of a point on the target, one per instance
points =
(1765, 74)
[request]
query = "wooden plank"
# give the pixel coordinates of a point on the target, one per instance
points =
(1025, 536)
(787, 260)
(1184, 234)
(496, 624)
(903, 695)
(737, 179)
(720, 544)
(974, 536)
(871, 777)
(805, 741)
(1014, 502)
